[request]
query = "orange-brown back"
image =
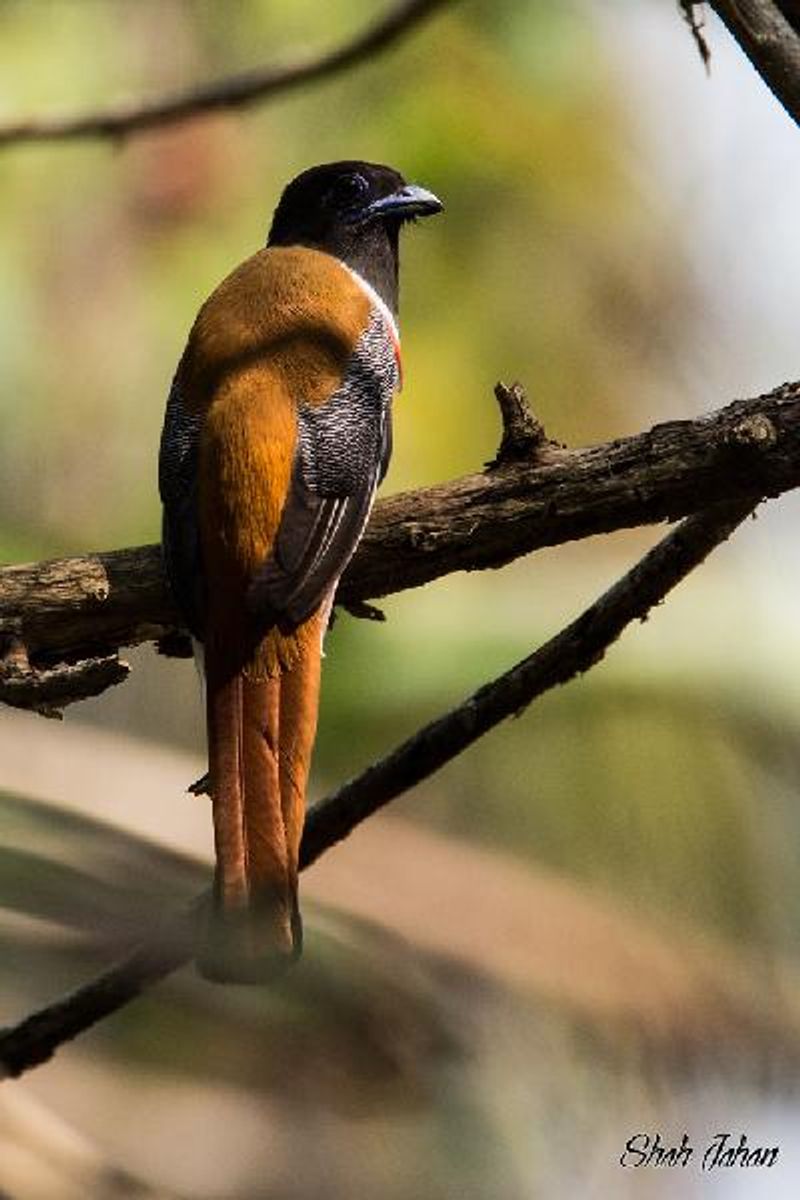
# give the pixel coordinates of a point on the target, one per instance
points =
(278, 332)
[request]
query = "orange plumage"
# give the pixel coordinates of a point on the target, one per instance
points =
(280, 328)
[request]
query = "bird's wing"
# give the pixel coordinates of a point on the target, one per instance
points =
(343, 448)
(177, 484)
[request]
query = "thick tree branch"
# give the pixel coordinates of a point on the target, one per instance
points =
(769, 34)
(236, 91)
(535, 494)
(578, 647)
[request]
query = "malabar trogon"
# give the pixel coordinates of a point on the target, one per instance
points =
(276, 436)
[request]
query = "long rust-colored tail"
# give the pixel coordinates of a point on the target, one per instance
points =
(260, 738)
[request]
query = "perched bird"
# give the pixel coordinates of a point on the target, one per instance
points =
(276, 435)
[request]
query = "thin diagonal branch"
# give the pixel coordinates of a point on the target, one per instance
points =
(577, 648)
(235, 91)
(35, 1040)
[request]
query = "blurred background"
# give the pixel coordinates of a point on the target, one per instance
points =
(589, 925)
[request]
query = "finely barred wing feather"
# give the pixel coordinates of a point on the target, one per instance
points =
(342, 453)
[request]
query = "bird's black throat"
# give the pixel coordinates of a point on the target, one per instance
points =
(373, 253)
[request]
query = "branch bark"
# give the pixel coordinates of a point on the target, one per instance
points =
(534, 494)
(234, 92)
(769, 34)
(578, 647)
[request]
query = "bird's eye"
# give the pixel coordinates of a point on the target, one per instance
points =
(348, 191)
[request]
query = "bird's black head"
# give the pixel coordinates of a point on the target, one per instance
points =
(353, 210)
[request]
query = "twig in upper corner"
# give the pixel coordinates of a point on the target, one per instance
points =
(769, 34)
(696, 25)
